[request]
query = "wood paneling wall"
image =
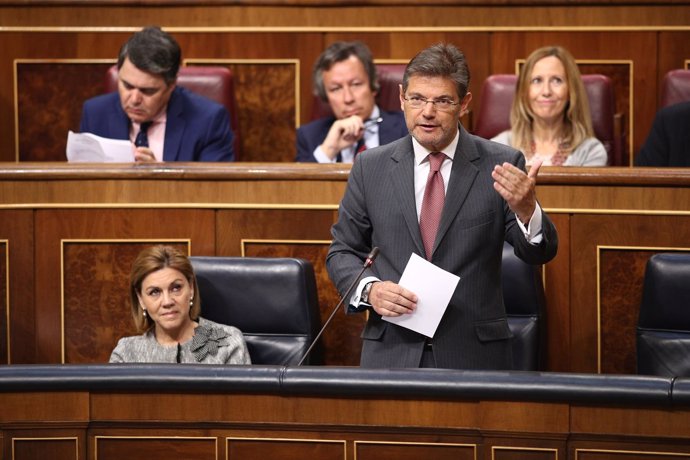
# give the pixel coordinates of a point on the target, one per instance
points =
(72, 232)
(52, 54)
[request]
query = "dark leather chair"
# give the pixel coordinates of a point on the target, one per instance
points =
(663, 329)
(273, 301)
(523, 295)
(675, 87)
(388, 97)
(213, 82)
(493, 115)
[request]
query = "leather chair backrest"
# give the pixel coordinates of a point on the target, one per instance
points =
(493, 115)
(388, 98)
(497, 95)
(675, 88)
(213, 82)
(663, 329)
(523, 295)
(273, 301)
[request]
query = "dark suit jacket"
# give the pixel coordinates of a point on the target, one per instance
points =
(197, 129)
(668, 142)
(312, 134)
(378, 210)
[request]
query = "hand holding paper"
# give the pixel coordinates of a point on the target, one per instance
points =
(87, 147)
(434, 288)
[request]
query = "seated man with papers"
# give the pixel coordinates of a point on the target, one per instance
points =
(164, 122)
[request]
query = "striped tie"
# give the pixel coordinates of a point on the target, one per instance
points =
(142, 140)
(432, 204)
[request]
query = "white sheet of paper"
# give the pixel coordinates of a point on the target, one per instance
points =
(434, 288)
(87, 147)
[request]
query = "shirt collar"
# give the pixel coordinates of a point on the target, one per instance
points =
(160, 118)
(420, 152)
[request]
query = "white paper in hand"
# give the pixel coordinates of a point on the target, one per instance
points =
(434, 288)
(87, 147)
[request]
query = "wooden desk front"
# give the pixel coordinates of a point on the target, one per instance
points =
(250, 412)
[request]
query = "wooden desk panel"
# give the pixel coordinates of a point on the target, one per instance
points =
(129, 424)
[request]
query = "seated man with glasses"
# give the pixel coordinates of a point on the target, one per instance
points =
(449, 197)
(345, 77)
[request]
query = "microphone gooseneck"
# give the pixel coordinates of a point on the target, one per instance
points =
(371, 257)
(367, 263)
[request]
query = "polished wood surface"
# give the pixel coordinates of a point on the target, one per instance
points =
(199, 184)
(328, 14)
(72, 230)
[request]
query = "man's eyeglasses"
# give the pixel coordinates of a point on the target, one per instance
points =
(443, 104)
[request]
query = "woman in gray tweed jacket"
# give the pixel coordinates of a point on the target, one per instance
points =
(165, 306)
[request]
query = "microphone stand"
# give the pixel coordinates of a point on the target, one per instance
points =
(367, 263)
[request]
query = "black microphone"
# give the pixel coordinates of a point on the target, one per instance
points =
(367, 263)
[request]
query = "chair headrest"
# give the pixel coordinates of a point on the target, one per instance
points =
(666, 292)
(258, 295)
(675, 87)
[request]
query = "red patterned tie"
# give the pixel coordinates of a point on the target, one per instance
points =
(360, 147)
(432, 204)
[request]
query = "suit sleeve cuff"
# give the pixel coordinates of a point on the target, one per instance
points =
(533, 231)
(321, 156)
(356, 305)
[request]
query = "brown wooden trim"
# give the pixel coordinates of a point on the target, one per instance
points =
(48, 171)
(336, 3)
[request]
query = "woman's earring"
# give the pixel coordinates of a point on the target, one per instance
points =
(143, 311)
(191, 302)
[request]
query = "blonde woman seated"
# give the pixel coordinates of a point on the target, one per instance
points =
(165, 306)
(550, 118)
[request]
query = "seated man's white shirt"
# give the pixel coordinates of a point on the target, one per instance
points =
(347, 155)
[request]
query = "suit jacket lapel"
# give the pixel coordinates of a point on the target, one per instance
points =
(402, 178)
(462, 176)
(387, 133)
(174, 127)
(118, 121)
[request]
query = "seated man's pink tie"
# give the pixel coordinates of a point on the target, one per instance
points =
(432, 204)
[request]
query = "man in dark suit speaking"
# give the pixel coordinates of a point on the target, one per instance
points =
(345, 76)
(452, 198)
(163, 121)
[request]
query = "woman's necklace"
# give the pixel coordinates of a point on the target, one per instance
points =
(557, 159)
